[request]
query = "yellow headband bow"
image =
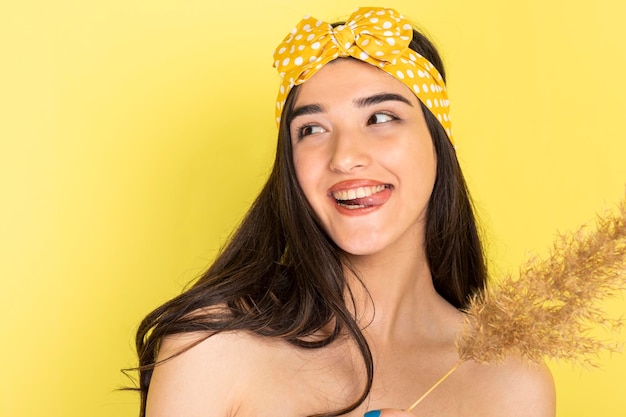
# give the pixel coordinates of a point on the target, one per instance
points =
(374, 35)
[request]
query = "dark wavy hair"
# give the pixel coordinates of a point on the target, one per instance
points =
(281, 276)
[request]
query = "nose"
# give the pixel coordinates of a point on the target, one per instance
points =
(349, 152)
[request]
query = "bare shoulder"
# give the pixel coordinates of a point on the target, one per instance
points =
(207, 379)
(514, 388)
(241, 374)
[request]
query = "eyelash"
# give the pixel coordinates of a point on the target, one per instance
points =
(300, 131)
(389, 115)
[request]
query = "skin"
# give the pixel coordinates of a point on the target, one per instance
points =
(346, 142)
(339, 141)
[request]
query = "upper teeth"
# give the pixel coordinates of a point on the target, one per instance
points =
(360, 192)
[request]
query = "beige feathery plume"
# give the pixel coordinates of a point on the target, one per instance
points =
(551, 309)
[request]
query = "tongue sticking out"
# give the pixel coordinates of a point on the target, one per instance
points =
(372, 200)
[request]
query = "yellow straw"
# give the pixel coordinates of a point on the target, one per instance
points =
(443, 378)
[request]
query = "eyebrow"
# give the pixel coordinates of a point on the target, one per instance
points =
(379, 98)
(359, 102)
(306, 109)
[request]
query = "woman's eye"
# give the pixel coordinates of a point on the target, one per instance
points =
(378, 118)
(307, 130)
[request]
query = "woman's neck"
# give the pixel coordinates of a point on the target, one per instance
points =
(400, 302)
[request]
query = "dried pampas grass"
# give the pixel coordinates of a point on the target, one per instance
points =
(551, 309)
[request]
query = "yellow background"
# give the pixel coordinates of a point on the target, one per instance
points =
(134, 135)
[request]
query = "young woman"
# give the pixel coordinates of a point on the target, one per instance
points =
(341, 290)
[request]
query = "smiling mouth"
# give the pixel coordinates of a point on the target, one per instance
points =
(361, 197)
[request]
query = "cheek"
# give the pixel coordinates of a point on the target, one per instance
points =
(298, 164)
(305, 168)
(415, 162)
(426, 170)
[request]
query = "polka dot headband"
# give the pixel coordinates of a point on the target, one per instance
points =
(374, 35)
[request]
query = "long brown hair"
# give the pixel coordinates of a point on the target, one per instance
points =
(281, 276)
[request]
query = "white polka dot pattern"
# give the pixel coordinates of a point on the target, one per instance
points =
(374, 35)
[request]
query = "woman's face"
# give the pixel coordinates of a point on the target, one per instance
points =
(364, 157)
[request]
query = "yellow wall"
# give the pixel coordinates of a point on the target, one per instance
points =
(134, 134)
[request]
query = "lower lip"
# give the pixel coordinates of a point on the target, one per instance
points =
(379, 199)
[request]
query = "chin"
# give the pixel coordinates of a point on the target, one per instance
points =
(359, 249)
